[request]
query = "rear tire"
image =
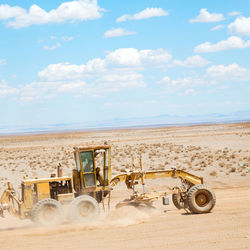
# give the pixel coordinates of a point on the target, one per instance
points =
(200, 199)
(84, 208)
(47, 212)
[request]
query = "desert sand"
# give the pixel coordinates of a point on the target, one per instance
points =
(220, 153)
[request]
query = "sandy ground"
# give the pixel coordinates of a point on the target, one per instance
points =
(219, 153)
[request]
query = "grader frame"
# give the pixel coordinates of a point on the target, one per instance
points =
(42, 198)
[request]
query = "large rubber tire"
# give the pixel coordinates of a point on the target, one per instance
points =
(200, 199)
(48, 212)
(176, 198)
(84, 208)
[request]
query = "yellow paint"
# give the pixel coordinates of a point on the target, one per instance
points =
(43, 191)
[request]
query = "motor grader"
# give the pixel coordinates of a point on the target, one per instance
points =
(42, 199)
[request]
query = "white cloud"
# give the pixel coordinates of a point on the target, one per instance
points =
(71, 87)
(232, 72)
(184, 86)
(3, 61)
(232, 42)
(117, 71)
(144, 14)
(67, 38)
(118, 32)
(192, 62)
(53, 37)
(186, 82)
(7, 12)
(130, 57)
(217, 27)
(81, 10)
(96, 65)
(47, 89)
(133, 76)
(206, 17)
(120, 60)
(53, 47)
(234, 13)
(6, 90)
(60, 71)
(240, 26)
(165, 80)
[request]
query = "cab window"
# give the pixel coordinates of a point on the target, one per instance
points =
(87, 161)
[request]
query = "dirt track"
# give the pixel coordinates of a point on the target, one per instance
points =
(219, 153)
(227, 227)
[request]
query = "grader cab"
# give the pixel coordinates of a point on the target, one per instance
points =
(89, 177)
(42, 199)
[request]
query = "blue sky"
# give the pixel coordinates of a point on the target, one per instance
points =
(79, 61)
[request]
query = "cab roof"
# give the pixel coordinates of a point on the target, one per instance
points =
(91, 147)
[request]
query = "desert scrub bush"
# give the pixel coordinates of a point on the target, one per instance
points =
(203, 164)
(232, 169)
(213, 173)
(221, 164)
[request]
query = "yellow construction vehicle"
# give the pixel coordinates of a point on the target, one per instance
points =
(42, 199)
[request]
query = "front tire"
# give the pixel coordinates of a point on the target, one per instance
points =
(200, 199)
(48, 212)
(84, 208)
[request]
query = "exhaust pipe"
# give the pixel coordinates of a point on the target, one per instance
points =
(59, 170)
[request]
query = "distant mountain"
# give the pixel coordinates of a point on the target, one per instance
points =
(160, 120)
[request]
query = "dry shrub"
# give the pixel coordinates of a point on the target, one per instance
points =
(213, 173)
(233, 169)
(221, 164)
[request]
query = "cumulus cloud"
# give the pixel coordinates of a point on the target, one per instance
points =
(206, 17)
(120, 60)
(3, 61)
(240, 26)
(130, 57)
(6, 90)
(81, 10)
(232, 42)
(217, 27)
(192, 62)
(232, 72)
(60, 71)
(117, 71)
(144, 14)
(118, 32)
(7, 12)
